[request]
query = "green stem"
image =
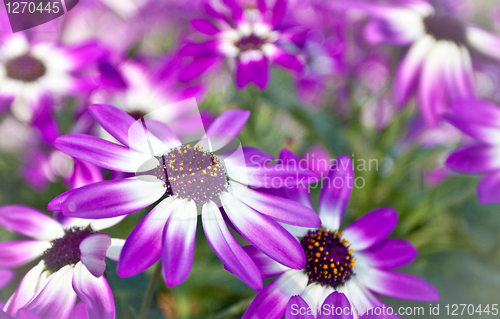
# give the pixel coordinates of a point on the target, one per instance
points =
(234, 309)
(150, 292)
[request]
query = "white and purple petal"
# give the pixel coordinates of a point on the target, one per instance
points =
(30, 222)
(388, 254)
(57, 298)
(111, 198)
(372, 228)
(94, 292)
(19, 252)
(178, 243)
(489, 189)
(271, 302)
(234, 258)
(143, 246)
(93, 252)
(257, 229)
(336, 192)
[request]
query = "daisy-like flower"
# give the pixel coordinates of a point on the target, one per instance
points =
(357, 261)
(438, 64)
(72, 263)
(250, 37)
(335, 306)
(481, 120)
(32, 73)
(193, 178)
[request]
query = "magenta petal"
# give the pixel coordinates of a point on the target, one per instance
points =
(336, 192)
(228, 123)
(143, 246)
(100, 152)
(57, 298)
(267, 266)
(388, 254)
(372, 228)
(297, 308)
(243, 75)
(29, 222)
(398, 285)
(111, 198)
(198, 66)
(85, 173)
(254, 156)
(24, 313)
(236, 10)
(271, 302)
(279, 10)
(19, 252)
(163, 132)
(115, 121)
(234, 258)
(474, 159)
(489, 189)
(276, 176)
(5, 277)
(204, 26)
(299, 193)
(94, 292)
(79, 312)
(336, 301)
(3, 315)
(278, 208)
(287, 60)
(93, 252)
(483, 41)
(255, 227)
(178, 243)
(259, 72)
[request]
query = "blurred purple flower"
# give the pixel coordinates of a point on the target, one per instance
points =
(438, 63)
(356, 261)
(168, 231)
(479, 119)
(33, 74)
(251, 37)
(72, 263)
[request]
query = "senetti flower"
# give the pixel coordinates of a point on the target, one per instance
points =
(251, 37)
(72, 264)
(193, 177)
(481, 120)
(31, 74)
(336, 305)
(438, 64)
(357, 261)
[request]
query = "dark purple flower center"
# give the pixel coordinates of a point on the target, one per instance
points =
(25, 68)
(137, 114)
(444, 27)
(329, 259)
(66, 250)
(251, 42)
(191, 173)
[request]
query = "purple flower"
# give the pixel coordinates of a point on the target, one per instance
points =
(357, 261)
(438, 64)
(194, 178)
(480, 119)
(251, 37)
(72, 264)
(33, 73)
(336, 305)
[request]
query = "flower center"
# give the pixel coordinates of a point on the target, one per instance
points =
(329, 259)
(250, 42)
(445, 28)
(66, 250)
(25, 68)
(192, 173)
